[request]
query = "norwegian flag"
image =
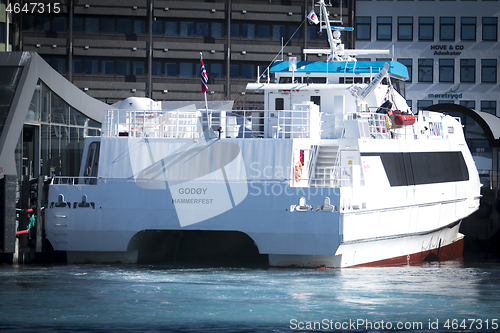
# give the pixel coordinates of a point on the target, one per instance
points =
(204, 77)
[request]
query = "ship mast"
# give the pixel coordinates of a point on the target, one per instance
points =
(336, 51)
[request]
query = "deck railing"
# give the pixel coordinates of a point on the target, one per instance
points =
(282, 124)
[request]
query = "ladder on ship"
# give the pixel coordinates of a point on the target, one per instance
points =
(326, 163)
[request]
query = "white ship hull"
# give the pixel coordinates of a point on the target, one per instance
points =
(369, 224)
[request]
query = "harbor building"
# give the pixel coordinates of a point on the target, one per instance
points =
(116, 49)
(452, 52)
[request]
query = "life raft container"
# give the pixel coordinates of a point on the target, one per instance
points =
(404, 119)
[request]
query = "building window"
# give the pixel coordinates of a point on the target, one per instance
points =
(468, 28)
(171, 69)
(263, 31)
(248, 30)
(293, 33)
(446, 101)
(446, 70)
(59, 64)
(409, 65)
(77, 67)
(108, 25)
(489, 70)
(311, 32)
(468, 70)
(405, 28)
(235, 30)
(107, 67)
(490, 27)
(247, 71)
(217, 29)
(216, 71)
(77, 24)
(138, 68)
(425, 72)
(123, 26)
(384, 28)
(157, 27)
(171, 28)
(489, 106)
(123, 67)
(186, 29)
(426, 28)
(156, 68)
(91, 67)
(363, 27)
(59, 24)
(186, 69)
(92, 25)
(279, 31)
(468, 104)
(139, 27)
(422, 104)
(234, 71)
(447, 28)
(202, 29)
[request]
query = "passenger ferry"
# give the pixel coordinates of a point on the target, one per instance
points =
(336, 171)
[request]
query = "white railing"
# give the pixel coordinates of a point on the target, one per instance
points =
(283, 124)
(67, 180)
(338, 176)
(372, 125)
(159, 124)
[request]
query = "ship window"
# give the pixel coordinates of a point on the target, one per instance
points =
(316, 100)
(367, 80)
(285, 80)
(400, 86)
(317, 80)
(421, 168)
(358, 80)
(279, 104)
(92, 161)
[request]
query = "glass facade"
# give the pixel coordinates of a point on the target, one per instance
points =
(61, 132)
(9, 78)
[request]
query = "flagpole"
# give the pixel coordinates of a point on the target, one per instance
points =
(204, 82)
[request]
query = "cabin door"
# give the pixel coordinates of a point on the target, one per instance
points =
(277, 102)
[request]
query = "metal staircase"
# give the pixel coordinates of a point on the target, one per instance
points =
(325, 166)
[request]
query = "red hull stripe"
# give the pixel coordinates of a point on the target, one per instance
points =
(449, 252)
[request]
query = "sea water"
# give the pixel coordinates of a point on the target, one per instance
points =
(435, 297)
